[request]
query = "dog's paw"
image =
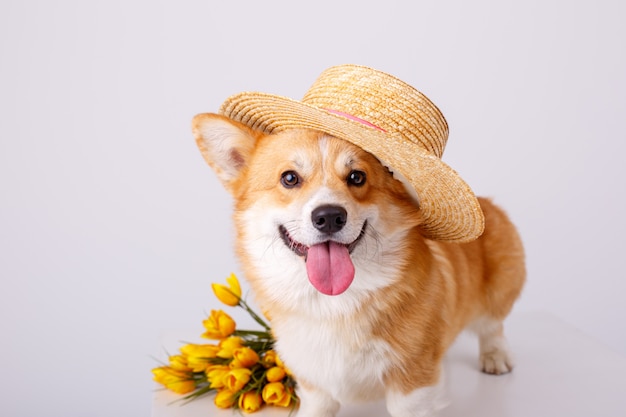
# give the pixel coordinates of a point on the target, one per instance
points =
(496, 362)
(495, 357)
(315, 403)
(421, 402)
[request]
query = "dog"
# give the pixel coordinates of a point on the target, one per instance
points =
(362, 303)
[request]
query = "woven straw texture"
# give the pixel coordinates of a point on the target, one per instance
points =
(409, 136)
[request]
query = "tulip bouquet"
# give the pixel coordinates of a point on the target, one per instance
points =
(242, 369)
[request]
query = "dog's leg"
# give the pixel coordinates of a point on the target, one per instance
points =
(421, 402)
(316, 403)
(495, 356)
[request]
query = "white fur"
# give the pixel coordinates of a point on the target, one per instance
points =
(316, 404)
(495, 355)
(422, 402)
(220, 139)
(349, 361)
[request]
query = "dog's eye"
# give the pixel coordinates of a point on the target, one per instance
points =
(356, 178)
(289, 179)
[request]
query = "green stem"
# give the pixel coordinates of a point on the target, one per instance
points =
(246, 307)
(257, 333)
(198, 393)
(256, 318)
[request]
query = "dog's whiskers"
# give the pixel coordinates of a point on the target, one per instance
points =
(276, 238)
(371, 236)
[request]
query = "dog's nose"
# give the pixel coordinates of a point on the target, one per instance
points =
(329, 218)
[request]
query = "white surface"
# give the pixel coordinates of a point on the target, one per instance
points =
(560, 372)
(112, 227)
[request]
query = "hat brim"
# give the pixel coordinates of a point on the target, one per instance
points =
(450, 210)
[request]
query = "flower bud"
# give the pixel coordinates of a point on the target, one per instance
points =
(228, 346)
(228, 295)
(224, 398)
(216, 375)
(250, 402)
(179, 363)
(218, 326)
(275, 393)
(176, 381)
(275, 374)
(269, 359)
(236, 379)
(244, 357)
(198, 356)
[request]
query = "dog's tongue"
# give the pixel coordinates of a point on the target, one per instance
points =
(329, 267)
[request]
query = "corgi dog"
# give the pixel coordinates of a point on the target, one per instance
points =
(362, 305)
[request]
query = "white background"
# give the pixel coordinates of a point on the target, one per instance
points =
(112, 227)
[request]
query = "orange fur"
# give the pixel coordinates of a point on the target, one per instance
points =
(447, 287)
(438, 289)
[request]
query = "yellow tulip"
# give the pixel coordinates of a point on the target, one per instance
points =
(236, 379)
(286, 400)
(216, 374)
(269, 359)
(228, 346)
(224, 398)
(244, 357)
(198, 356)
(275, 374)
(177, 381)
(204, 350)
(218, 326)
(179, 363)
(250, 402)
(275, 393)
(162, 374)
(228, 295)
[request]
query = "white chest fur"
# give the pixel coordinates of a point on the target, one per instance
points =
(338, 357)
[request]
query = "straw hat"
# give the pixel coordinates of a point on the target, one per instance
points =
(387, 118)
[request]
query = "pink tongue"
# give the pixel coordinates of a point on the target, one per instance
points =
(329, 267)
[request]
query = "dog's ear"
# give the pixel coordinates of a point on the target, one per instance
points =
(226, 145)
